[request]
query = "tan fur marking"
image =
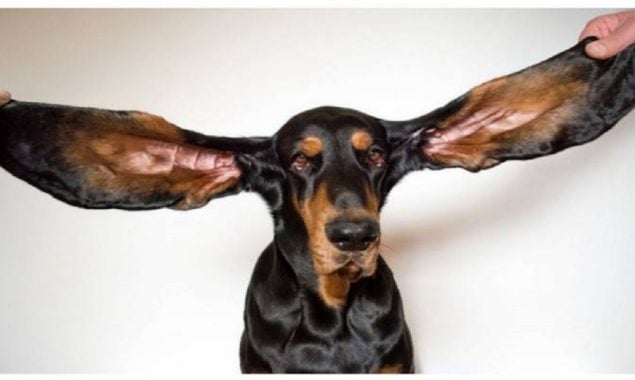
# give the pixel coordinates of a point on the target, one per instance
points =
(372, 203)
(333, 289)
(311, 146)
(361, 140)
(316, 212)
(394, 368)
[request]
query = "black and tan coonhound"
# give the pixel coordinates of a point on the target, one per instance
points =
(321, 298)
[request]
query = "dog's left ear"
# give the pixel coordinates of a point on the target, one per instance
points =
(96, 158)
(567, 100)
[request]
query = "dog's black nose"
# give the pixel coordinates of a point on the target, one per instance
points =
(352, 235)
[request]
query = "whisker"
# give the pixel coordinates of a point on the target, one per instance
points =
(386, 248)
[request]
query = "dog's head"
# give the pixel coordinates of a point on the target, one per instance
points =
(335, 161)
(326, 173)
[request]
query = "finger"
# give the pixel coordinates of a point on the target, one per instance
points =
(593, 29)
(603, 26)
(612, 44)
(5, 97)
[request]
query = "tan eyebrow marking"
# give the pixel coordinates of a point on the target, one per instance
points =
(361, 140)
(311, 146)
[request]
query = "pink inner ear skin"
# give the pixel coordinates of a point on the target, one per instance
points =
(153, 157)
(487, 122)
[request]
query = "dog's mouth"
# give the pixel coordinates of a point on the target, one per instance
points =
(351, 271)
(358, 265)
(349, 265)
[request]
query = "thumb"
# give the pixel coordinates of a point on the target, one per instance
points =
(612, 44)
(5, 97)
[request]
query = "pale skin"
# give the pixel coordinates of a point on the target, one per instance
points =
(5, 96)
(616, 31)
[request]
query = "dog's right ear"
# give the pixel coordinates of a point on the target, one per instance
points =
(95, 158)
(567, 100)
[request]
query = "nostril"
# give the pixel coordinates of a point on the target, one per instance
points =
(371, 238)
(352, 235)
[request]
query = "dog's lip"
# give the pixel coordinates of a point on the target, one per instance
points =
(353, 265)
(351, 270)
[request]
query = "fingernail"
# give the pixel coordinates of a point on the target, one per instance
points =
(596, 48)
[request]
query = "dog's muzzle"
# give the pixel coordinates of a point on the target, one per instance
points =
(356, 242)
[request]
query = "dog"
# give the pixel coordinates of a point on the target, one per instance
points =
(321, 298)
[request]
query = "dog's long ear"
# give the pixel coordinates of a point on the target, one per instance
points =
(567, 100)
(96, 158)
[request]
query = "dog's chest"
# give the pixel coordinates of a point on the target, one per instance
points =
(356, 341)
(291, 329)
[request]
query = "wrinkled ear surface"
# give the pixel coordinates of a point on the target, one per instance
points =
(567, 100)
(97, 158)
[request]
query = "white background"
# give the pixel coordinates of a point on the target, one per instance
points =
(526, 267)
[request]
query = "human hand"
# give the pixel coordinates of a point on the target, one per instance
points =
(5, 97)
(615, 31)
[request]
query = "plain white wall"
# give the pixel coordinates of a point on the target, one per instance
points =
(525, 267)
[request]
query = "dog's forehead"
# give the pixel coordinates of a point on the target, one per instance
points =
(327, 122)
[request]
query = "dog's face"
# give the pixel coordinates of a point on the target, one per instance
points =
(335, 160)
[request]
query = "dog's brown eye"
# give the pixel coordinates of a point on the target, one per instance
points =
(376, 158)
(300, 163)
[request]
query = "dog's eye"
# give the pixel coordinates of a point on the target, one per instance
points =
(376, 158)
(300, 163)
